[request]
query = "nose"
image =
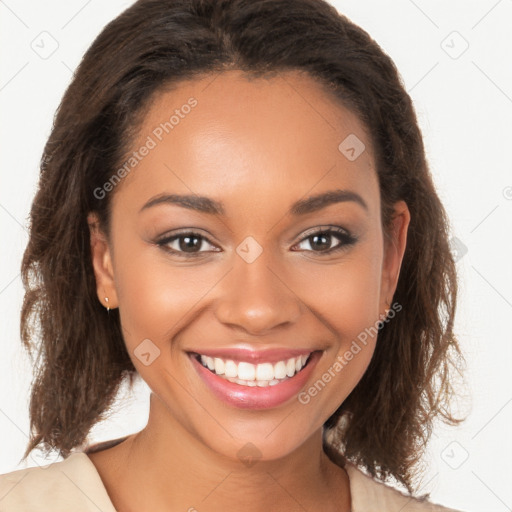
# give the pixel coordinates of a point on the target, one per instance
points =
(256, 298)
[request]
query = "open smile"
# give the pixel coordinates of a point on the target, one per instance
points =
(256, 386)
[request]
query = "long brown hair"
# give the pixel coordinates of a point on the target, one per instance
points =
(81, 357)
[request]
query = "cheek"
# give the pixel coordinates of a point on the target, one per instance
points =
(157, 297)
(346, 295)
(345, 363)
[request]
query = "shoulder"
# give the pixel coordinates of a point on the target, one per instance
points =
(369, 495)
(71, 484)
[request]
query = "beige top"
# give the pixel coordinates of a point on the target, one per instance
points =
(74, 485)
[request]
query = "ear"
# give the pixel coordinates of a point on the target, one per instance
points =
(102, 263)
(394, 249)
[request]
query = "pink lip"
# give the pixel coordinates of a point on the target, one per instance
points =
(254, 356)
(246, 397)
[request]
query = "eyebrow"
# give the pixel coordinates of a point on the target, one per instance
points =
(302, 207)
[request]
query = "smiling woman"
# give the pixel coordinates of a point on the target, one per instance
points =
(243, 217)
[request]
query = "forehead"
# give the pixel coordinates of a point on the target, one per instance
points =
(230, 136)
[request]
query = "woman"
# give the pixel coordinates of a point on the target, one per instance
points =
(235, 205)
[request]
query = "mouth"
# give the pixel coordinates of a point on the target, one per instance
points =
(261, 384)
(245, 373)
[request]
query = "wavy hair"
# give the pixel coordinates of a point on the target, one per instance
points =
(385, 422)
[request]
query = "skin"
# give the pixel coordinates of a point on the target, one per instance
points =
(258, 146)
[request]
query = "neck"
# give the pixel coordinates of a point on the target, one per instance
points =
(183, 473)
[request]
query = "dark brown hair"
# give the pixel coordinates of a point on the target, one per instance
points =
(82, 360)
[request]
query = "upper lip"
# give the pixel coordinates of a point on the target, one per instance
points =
(253, 356)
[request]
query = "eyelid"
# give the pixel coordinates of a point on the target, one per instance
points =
(184, 231)
(323, 229)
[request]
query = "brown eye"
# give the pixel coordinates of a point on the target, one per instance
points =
(189, 243)
(185, 244)
(322, 241)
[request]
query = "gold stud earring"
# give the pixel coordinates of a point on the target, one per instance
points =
(388, 303)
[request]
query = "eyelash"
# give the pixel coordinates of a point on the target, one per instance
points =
(346, 240)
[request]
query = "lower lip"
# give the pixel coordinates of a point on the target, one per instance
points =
(246, 397)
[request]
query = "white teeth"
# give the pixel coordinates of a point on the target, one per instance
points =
(280, 370)
(265, 371)
(290, 367)
(246, 371)
(219, 366)
(208, 361)
(248, 374)
(230, 369)
(250, 383)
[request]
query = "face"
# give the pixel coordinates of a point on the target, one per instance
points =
(275, 258)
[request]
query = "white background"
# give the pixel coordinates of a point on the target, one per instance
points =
(463, 99)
